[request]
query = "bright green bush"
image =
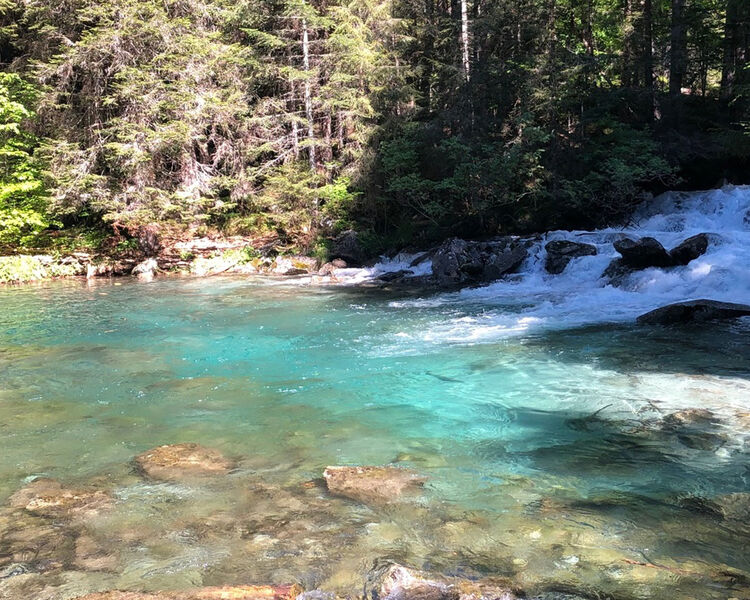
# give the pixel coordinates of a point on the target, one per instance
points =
(22, 199)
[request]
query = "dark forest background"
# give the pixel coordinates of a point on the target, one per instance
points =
(407, 120)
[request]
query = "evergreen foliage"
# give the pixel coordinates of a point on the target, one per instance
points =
(408, 120)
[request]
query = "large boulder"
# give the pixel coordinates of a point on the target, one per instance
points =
(146, 270)
(643, 253)
(149, 240)
(461, 261)
(181, 461)
(689, 249)
(561, 252)
(348, 248)
(694, 310)
(372, 485)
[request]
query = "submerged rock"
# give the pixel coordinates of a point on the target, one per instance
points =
(401, 583)
(694, 310)
(460, 261)
(689, 249)
(90, 555)
(178, 461)
(375, 485)
(48, 497)
(561, 252)
(241, 592)
(643, 253)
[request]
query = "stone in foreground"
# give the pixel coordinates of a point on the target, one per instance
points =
(372, 485)
(242, 592)
(179, 461)
(49, 498)
(694, 310)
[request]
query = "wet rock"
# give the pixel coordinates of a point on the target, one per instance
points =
(735, 506)
(294, 265)
(90, 555)
(401, 583)
(561, 252)
(146, 269)
(694, 310)
(242, 592)
(179, 461)
(459, 261)
(109, 268)
(35, 542)
(394, 275)
(616, 272)
(50, 498)
(14, 570)
(330, 267)
(372, 484)
(643, 253)
(690, 416)
(347, 247)
(690, 249)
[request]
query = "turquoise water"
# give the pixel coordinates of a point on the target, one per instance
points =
(548, 450)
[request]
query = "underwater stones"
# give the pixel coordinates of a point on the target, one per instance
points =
(689, 249)
(90, 555)
(459, 261)
(48, 497)
(694, 310)
(375, 485)
(402, 583)
(643, 253)
(180, 461)
(561, 252)
(241, 592)
(734, 506)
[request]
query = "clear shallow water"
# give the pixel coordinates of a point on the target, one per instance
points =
(546, 439)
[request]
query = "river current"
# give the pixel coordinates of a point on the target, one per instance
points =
(541, 415)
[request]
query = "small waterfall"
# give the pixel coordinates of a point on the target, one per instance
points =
(581, 295)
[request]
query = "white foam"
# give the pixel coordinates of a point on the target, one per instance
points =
(580, 295)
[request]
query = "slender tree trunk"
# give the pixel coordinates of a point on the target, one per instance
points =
(729, 62)
(308, 95)
(465, 40)
(677, 49)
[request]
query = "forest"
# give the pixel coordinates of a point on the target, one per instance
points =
(405, 120)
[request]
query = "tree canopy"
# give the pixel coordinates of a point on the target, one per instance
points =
(406, 119)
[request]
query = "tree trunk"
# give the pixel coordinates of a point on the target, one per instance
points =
(677, 49)
(308, 95)
(465, 40)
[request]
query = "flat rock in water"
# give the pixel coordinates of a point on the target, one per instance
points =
(372, 484)
(242, 592)
(694, 310)
(179, 461)
(461, 261)
(48, 497)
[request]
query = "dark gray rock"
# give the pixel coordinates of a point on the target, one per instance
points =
(461, 261)
(148, 240)
(694, 310)
(561, 252)
(394, 275)
(690, 249)
(643, 253)
(616, 272)
(347, 247)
